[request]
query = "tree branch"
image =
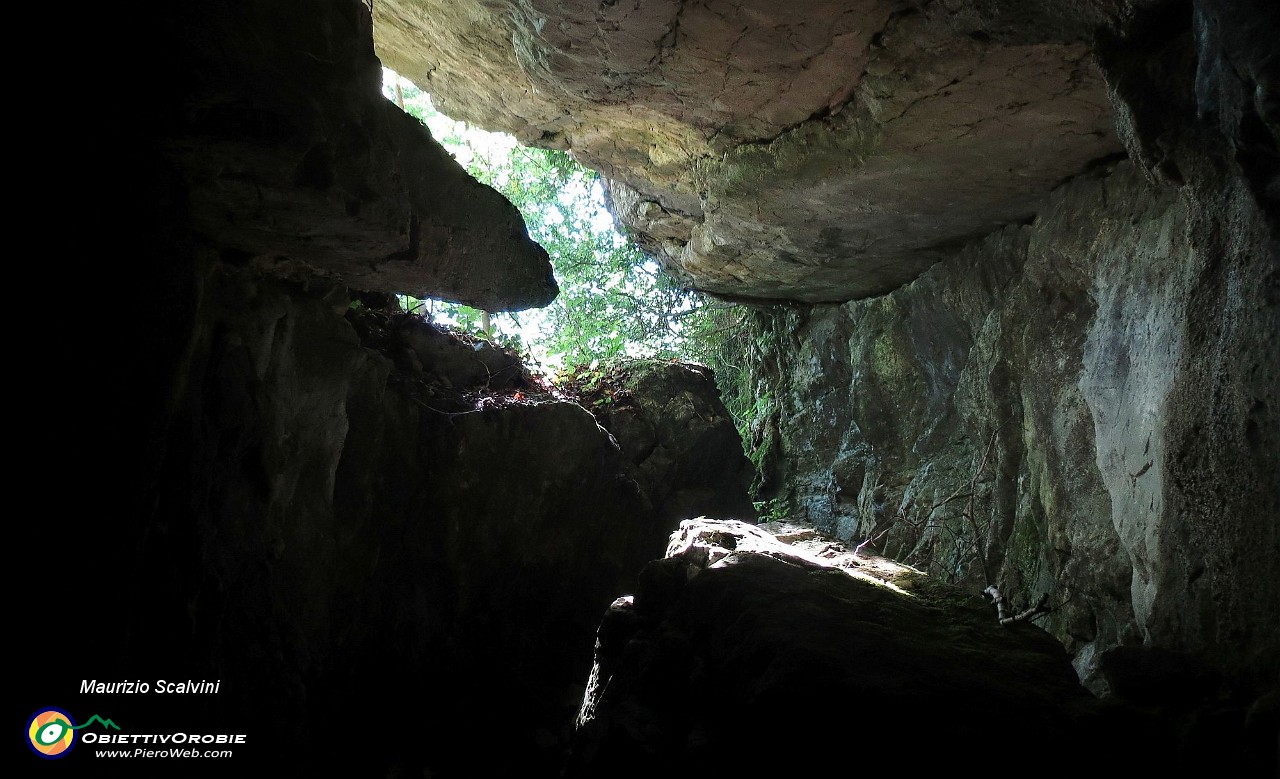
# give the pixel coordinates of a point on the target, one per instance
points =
(1041, 607)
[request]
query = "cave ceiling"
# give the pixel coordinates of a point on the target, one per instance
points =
(759, 153)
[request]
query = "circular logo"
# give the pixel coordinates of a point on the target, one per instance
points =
(50, 733)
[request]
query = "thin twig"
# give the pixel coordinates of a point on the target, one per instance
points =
(971, 515)
(446, 413)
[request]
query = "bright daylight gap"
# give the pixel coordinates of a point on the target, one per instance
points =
(614, 301)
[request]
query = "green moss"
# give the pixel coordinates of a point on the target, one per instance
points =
(1023, 550)
(813, 151)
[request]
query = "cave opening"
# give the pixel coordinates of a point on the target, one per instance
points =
(614, 301)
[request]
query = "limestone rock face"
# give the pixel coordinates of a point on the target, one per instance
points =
(1055, 378)
(1096, 381)
(762, 153)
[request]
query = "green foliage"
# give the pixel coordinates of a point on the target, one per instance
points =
(772, 510)
(614, 301)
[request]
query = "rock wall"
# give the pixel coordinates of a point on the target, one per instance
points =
(1082, 406)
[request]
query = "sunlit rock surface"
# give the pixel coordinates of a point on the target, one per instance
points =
(740, 651)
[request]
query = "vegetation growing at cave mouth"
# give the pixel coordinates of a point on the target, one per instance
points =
(614, 301)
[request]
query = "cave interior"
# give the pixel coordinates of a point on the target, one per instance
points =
(1018, 260)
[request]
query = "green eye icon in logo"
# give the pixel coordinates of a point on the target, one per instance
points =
(50, 733)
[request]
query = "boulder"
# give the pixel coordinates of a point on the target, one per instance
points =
(675, 431)
(739, 651)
